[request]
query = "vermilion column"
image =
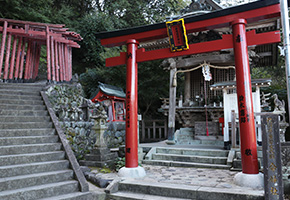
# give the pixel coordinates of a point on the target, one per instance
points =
(245, 101)
(131, 151)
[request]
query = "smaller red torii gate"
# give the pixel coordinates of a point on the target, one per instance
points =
(239, 40)
(21, 60)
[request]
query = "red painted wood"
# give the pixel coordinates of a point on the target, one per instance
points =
(56, 60)
(219, 22)
(66, 75)
(31, 23)
(12, 61)
(22, 59)
(203, 47)
(48, 54)
(37, 59)
(4, 34)
(245, 99)
(7, 57)
(131, 150)
(28, 60)
(17, 64)
(52, 59)
(60, 53)
(32, 60)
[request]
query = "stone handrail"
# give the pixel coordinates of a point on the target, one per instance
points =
(69, 153)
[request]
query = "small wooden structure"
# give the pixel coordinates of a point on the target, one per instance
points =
(21, 43)
(114, 99)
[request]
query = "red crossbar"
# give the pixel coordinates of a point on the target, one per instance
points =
(225, 43)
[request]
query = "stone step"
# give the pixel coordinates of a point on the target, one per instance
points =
(30, 148)
(17, 182)
(188, 192)
(41, 191)
(31, 158)
(25, 125)
(184, 164)
(24, 119)
(21, 107)
(30, 113)
(5, 141)
(31, 86)
(137, 196)
(21, 102)
(30, 168)
(26, 132)
(19, 91)
(20, 97)
(190, 158)
(73, 196)
(198, 152)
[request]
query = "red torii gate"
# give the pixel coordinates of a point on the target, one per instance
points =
(22, 59)
(235, 17)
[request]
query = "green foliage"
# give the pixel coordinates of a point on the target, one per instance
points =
(119, 163)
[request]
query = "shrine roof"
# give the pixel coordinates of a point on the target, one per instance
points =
(232, 84)
(110, 90)
(189, 19)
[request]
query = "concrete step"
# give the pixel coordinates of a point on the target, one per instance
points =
(21, 107)
(187, 151)
(20, 97)
(26, 132)
(184, 164)
(31, 158)
(29, 148)
(30, 168)
(188, 192)
(29, 113)
(5, 141)
(21, 102)
(73, 196)
(137, 196)
(25, 125)
(41, 191)
(17, 182)
(190, 158)
(24, 119)
(29, 86)
(20, 91)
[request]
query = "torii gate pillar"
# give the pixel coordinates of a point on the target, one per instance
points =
(131, 168)
(250, 166)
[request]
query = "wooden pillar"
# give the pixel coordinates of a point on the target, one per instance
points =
(7, 57)
(245, 100)
(56, 60)
(67, 71)
(37, 58)
(52, 58)
(16, 74)
(172, 103)
(70, 62)
(4, 34)
(187, 91)
(22, 59)
(62, 61)
(48, 54)
(12, 61)
(32, 60)
(27, 64)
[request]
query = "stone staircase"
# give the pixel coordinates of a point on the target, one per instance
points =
(187, 157)
(34, 164)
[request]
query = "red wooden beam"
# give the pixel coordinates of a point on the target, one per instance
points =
(16, 74)
(8, 50)
(12, 61)
(37, 58)
(22, 60)
(60, 55)
(28, 59)
(203, 47)
(218, 22)
(48, 53)
(56, 60)
(4, 33)
(67, 71)
(52, 58)
(18, 22)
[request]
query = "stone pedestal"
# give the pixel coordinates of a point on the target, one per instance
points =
(100, 156)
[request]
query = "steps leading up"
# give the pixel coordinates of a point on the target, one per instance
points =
(186, 157)
(33, 164)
